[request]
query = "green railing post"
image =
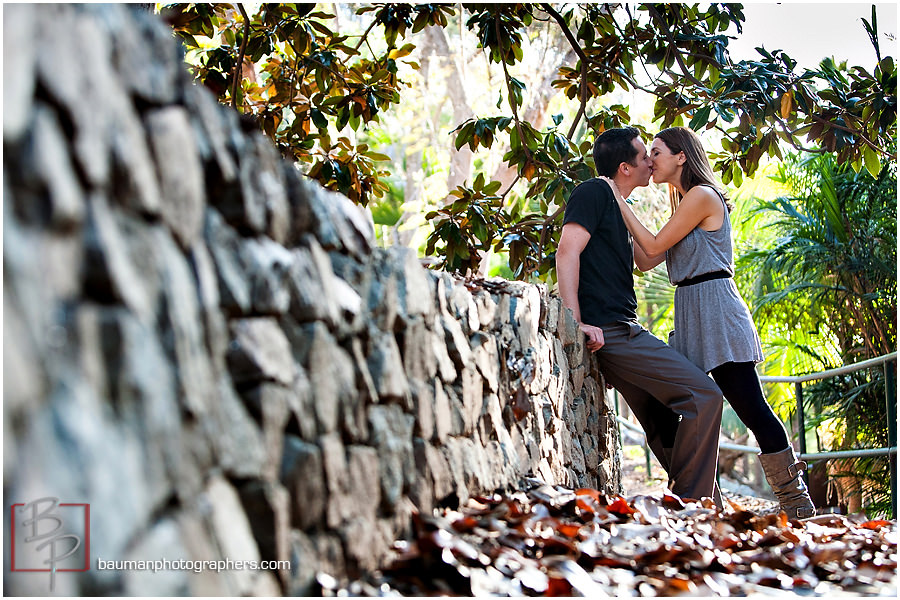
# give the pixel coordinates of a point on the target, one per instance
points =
(801, 424)
(618, 425)
(890, 397)
(801, 420)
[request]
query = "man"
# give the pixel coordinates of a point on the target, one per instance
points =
(679, 407)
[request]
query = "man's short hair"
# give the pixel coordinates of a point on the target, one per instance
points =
(612, 148)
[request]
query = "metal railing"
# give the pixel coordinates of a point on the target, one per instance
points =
(889, 363)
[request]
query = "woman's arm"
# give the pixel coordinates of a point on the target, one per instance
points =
(698, 205)
(644, 262)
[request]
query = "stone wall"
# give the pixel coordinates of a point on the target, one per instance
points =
(211, 352)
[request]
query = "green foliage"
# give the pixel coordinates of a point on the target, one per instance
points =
(830, 268)
(310, 79)
(312, 82)
(463, 228)
(824, 288)
(852, 412)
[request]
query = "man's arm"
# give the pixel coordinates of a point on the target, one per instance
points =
(572, 241)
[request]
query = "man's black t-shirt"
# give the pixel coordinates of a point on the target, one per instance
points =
(606, 282)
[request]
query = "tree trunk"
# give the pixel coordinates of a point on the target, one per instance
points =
(414, 171)
(536, 114)
(460, 160)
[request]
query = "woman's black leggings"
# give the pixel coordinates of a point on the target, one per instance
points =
(741, 387)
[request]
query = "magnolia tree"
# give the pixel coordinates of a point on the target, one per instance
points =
(308, 83)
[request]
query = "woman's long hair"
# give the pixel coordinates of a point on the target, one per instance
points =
(696, 169)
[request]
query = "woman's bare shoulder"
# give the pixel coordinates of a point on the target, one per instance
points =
(703, 193)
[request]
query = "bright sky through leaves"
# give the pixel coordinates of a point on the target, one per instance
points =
(810, 31)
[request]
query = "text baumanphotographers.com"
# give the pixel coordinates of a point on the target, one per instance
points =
(197, 566)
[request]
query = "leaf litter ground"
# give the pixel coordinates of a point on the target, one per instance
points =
(552, 541)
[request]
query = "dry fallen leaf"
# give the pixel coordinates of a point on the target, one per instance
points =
(552, 541)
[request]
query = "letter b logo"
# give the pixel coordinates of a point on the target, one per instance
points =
(47, 536)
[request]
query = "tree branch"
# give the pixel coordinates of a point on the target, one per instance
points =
(238, 66)
(365, 35)
(584, 64)
(566, 31)
(546, 223)
(511, 185)
(670, 37)
(636, 52)
(797, 145)
(512, 104)
(855, 132)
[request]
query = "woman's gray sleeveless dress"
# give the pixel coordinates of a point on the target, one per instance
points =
(713, 325)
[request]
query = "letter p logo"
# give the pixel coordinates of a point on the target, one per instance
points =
(47, 536)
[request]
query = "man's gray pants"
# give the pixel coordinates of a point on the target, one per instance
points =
(679, 406)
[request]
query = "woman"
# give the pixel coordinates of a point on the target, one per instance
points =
(713, 327)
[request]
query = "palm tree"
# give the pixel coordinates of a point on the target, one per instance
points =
(822, 283)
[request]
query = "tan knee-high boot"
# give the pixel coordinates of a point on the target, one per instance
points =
(783, 472)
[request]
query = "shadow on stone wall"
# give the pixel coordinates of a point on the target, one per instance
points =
(209, 351)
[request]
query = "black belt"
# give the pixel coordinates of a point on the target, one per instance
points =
(704, 277)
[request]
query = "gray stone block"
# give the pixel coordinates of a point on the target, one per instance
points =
(462, 306)
(74, 67)
(332, 218)
(332, 380)
(149, 65)
(269, 271)
(423, 408)
(19, 60)
(339, 506)
(270, 405)
(302, 473)
(386, 368)
(259, 351)
(419, 360)
(487, 309)
(487, 359)
(236, 439)
(162, 542)
(568, 330)
(211, 128)
(472, 398)
(365, 384)
(181, 319)
(446, 366)
(305, 560)
(225, 245)
(267, 507)
(57, 197)
(414, 288)
(182, 190)
(214, 323)
(313, 287)
(232, 529)
(364, 469)
(135, 182)
(265, 203)
(457, 342)
(391, 431)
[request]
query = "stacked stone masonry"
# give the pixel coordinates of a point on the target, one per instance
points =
(211, 351)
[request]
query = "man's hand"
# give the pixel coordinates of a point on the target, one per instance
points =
(595, 336)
